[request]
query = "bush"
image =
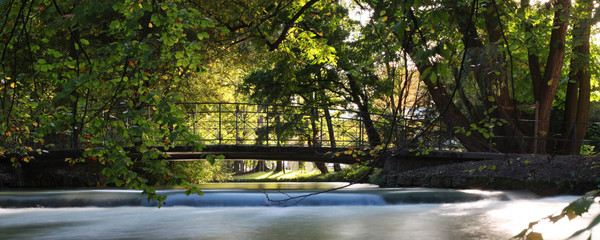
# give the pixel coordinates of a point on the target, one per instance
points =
(202, 171)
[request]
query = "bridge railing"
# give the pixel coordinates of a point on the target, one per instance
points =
(274, 125)
(277, 125)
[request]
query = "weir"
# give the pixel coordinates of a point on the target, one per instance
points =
(359, 212)
(361, 196)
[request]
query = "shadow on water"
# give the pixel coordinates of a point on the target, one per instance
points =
(440, 196)
(27, 230)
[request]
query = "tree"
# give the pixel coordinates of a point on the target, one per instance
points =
(97, 75)
(577, 102)
(105, 75)
(548, 84)
(482, 42)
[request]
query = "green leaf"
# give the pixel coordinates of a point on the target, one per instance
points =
(211, 159)
(115, 24)
(485, 135)
(202, 35)
(224, 30)
(578, 207)
(179, 55)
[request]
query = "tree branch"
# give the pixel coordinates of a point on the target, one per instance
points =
(289, 24)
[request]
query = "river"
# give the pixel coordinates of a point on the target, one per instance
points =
(242, 211)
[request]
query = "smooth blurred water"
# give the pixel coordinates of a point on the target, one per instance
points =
(360, 212)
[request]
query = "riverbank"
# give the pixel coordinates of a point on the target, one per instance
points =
(542, 174)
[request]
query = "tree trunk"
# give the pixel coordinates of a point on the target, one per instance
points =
(372, 134)
(495, 88)
(315, 132)
(450, 113)
(453, 117)
(261, 166)
(337, 167)
(279, 167)
(333, 144)
(362, 102)
(322, 167)
(238, 166)
(577, 103)
(552, 73)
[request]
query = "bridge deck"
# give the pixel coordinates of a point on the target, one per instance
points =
(254, 152)
(314, 154)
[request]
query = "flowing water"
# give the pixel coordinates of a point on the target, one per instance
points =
(243, 211)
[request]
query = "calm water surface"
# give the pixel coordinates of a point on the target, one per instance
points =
(242, 211)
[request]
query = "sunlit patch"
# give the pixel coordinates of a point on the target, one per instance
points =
(487, 194)
(516, 216)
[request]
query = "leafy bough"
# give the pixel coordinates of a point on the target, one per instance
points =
(575, 209)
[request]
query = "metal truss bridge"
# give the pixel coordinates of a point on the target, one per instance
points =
(296, 133)
(244, 131)
(300, 126)
(299, 133)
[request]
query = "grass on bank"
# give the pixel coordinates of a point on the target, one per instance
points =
(276, 176)
(346, 175)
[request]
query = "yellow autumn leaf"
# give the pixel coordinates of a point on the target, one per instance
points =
(534, 236)
(384, 18)
(13, 85)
